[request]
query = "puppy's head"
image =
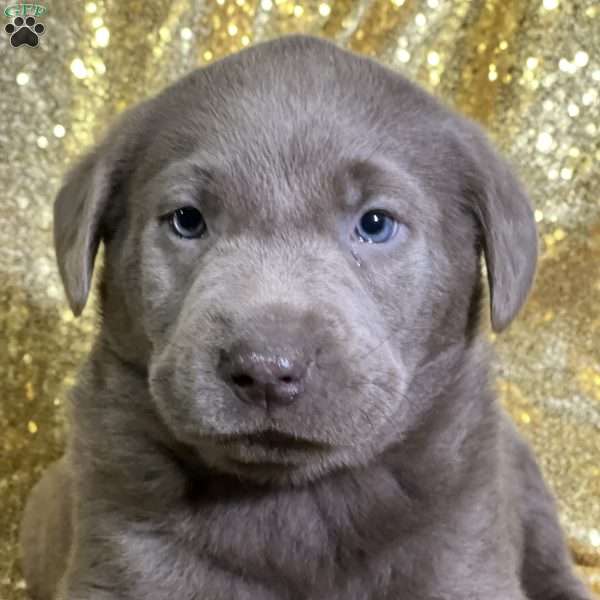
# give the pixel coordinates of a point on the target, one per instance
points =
(293, 235)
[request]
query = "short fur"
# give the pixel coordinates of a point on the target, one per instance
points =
(408, 482)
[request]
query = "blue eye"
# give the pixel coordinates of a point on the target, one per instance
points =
(187, 222)
(376, 227)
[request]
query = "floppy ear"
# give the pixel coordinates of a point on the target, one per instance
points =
(78, 211)
(82, 204)
(507, 224)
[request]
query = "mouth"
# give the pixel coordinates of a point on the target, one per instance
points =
(272, 440)
(269, 449)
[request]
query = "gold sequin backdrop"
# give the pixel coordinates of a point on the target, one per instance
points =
(528, 70)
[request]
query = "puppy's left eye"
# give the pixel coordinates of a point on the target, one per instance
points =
(376, 227)
(187, 222)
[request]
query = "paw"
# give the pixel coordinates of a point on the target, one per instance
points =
(24, 31)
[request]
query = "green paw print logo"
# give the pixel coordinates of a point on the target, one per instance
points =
(24, 29)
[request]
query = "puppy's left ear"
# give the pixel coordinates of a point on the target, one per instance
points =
(506, 220)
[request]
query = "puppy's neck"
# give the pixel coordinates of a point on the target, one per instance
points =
(455, 437)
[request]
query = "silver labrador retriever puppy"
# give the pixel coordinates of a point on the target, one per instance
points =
(288, 398)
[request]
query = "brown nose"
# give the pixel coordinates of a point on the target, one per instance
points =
(262, 375)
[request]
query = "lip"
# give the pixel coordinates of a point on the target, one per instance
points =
(271, 439)
(261, 466)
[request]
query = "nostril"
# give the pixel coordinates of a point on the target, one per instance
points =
(263, 375)
(242, 380)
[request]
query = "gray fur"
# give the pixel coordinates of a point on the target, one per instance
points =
(415, 485)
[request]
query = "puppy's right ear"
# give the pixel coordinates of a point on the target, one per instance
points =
(81, 206)
(78, 211)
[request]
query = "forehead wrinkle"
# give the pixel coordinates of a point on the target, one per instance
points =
(277, 178)
(377, 176)
(187, 180)
(278, 171)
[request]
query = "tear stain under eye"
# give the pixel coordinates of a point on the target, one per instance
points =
(356, 257)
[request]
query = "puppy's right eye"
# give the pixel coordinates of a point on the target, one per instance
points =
(187, 222)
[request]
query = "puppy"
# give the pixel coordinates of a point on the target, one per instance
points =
(288, 398)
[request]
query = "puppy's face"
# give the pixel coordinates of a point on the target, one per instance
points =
(288, 315)
(292, 240)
